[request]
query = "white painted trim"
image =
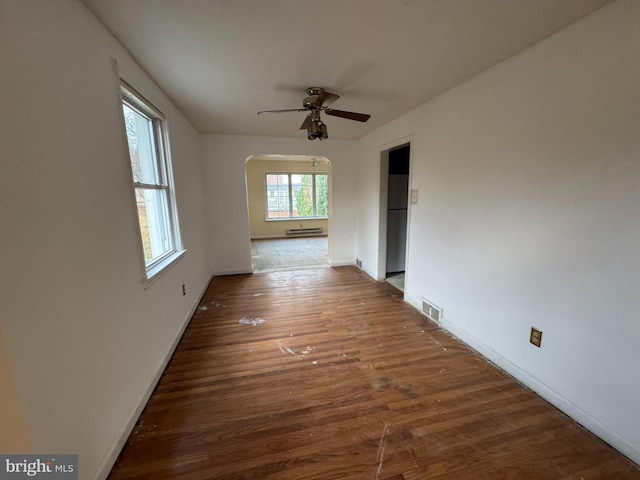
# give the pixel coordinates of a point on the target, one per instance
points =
(160, 268)
(369, 272)
(221, 273)
(266, 237)
(398, 142)
(114, 451)
(342, 264)
(383, 184)
(584, 418)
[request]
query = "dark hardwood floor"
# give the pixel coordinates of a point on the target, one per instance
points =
(327, 374)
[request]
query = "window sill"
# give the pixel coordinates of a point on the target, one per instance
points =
(295, 219)
(158, 269)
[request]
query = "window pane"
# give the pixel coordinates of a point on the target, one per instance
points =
(154, 222)
(277, 196)
(303, 195)
(151, 167)
(322, 203)
(140, 137)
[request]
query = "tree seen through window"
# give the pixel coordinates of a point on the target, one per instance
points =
(296, 195)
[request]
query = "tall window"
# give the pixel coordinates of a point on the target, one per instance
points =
(296, 195)
(152, 181)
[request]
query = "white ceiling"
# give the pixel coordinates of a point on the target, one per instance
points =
(221, 61)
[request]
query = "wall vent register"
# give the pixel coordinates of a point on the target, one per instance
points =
(432, 312)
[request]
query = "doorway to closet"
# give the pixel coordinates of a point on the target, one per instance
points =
(397, 207)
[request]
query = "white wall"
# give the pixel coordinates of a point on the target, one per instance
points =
(529, 193)
(224, 158)
(83, 339)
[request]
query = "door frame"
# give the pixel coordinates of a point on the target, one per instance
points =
(383, 203)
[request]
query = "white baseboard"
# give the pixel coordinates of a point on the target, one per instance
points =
(221, 273)
(588, 421)
(266, 237)
(283, 235)
(367, 271)
(341, 264)
(110, 458)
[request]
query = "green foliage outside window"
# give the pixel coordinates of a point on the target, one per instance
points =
(304, 197)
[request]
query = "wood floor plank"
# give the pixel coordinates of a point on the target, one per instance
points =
(326, 374)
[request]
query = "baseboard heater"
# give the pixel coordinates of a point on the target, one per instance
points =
(299, 232)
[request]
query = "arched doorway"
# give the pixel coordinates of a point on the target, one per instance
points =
(288, 198)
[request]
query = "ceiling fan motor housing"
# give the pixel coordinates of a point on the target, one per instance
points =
(310, 102)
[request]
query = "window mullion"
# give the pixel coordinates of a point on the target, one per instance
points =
(313, 194)
(290, 196)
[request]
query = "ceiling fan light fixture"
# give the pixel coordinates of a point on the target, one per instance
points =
(313, 131)
(323, 129)
(317, 129)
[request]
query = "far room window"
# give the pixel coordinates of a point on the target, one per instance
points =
(152, 181)
(296, 195)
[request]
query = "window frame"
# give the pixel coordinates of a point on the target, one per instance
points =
(291, 198)
(164, 182)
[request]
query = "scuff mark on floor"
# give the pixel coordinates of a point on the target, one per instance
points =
(380, 455)
(202, 308)
(252, 321)
(286, 350)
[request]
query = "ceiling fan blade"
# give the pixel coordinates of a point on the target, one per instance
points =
(306, 123)
(266, 112)
(358, 117)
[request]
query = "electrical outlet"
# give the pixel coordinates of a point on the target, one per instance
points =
(535, 338)
(184, 290)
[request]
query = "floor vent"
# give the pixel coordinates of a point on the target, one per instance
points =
(298, 232)
(432, 312)
(359, 263)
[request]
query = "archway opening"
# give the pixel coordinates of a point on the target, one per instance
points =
(288, 199)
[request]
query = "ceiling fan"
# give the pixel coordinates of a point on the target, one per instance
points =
(316, 102)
